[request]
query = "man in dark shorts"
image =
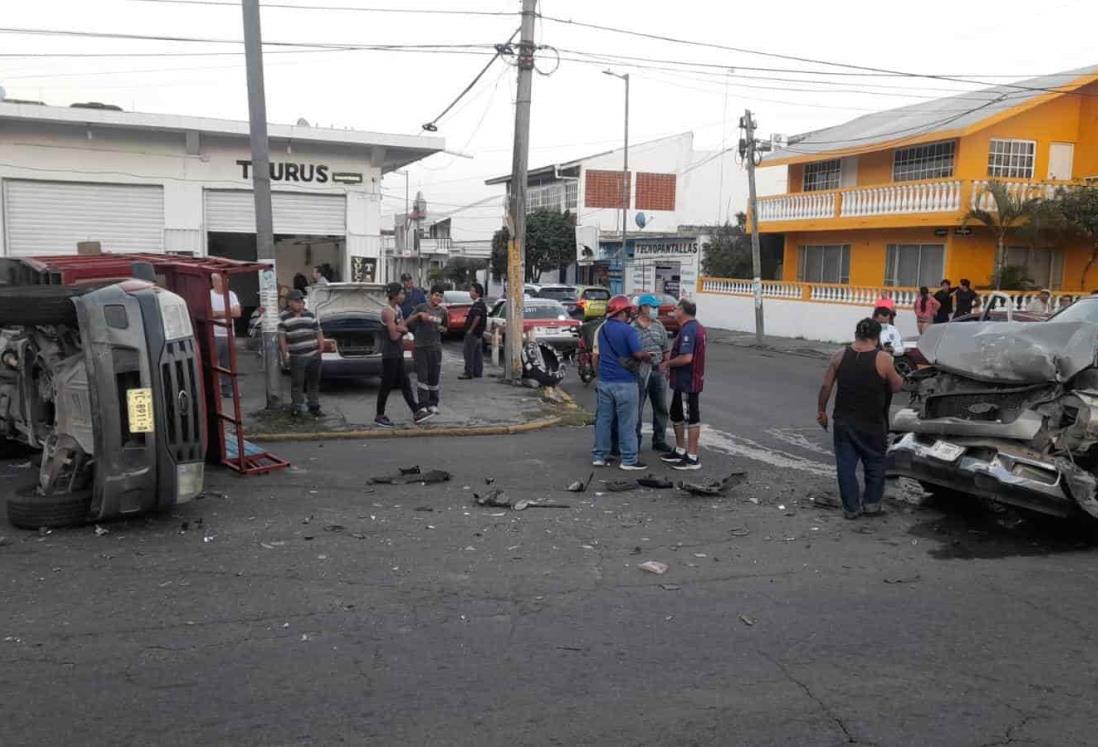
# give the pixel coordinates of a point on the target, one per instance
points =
(686, 369)
(393, 375)
(866, 379)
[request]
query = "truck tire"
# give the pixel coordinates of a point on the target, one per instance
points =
(38, 304)
(27, 510)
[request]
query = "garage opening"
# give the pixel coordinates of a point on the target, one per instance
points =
(294, 255)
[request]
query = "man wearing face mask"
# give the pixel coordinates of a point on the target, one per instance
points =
(653, 386)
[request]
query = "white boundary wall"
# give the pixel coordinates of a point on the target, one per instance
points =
(826, 322)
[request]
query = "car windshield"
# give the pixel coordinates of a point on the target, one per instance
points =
(549, 310)
(457, 297)
(1084, 310)
(560, 293)
(597, 294)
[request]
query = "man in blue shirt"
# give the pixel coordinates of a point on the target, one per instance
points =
(413, 296)
(616, 360)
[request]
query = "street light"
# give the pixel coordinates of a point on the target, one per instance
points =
(624, 170)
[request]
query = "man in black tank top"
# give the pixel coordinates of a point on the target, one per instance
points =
(866, 378)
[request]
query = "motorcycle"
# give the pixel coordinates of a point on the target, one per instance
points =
(585, 357)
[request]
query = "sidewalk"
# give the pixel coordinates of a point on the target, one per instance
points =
(788, 345)
(350, 405)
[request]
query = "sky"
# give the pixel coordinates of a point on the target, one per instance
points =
(576, 109)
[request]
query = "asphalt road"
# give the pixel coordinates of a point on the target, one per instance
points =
(310, 608)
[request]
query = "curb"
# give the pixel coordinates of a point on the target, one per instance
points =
(484, 430)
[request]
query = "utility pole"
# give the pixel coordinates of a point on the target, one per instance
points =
(261, 187)
(748, 148)
(516, 249)
(624, 173)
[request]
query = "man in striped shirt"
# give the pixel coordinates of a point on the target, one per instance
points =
(300, 342)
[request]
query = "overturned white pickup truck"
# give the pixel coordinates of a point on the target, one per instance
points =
(1007, 411)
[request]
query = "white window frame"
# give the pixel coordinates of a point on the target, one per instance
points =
(1011, 163)
(924, 161)
(844, 263)
(571, 195)
(892, 264)
(824, 175)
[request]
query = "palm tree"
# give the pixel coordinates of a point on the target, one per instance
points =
(1012, 211)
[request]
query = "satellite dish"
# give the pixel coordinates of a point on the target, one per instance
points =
(302, 122)
(641, 220)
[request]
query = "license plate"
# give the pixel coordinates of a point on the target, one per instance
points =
(946, 451)
(542, 331)
(139, 404)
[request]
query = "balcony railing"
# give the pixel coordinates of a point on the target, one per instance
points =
(851, 295)
(903, 198)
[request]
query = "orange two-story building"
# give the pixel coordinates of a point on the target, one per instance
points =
(881, 200)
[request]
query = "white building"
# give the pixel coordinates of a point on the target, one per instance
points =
(670, 186)
(158, 182)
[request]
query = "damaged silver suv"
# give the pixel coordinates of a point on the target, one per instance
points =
(1008, 411)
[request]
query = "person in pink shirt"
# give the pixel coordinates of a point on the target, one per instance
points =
(926, 306)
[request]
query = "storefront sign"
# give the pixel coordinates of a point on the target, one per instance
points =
(666, 248)
(363, 270)
(290, 172)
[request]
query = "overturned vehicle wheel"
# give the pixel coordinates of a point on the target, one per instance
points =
(27, 509)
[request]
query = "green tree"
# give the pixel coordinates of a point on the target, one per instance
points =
(728, 254)
(1012, 277)
(461, 272)
(500, 239)
(1078, 209)
(550, 241)
(1012, 214)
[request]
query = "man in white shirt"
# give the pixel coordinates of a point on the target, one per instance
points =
(1041, 303)
(891, 340)
(221, 334)
(318, 276)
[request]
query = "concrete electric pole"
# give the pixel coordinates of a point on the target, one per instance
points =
(261, 186)
(516, 249)
(748, 149)
(624, 172)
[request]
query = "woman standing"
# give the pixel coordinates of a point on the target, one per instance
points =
(926, 306)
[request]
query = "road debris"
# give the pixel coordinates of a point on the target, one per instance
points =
(652, 481)
(100, 531)
(748, 621)
(670, 587)
(413, 470)
(619, 486)
(496, 498)
(713, 487)
(739, 531)
(653, 566)
(904, 579)
(411, 478)
(824, 500)
(334, 528)
(579, 486)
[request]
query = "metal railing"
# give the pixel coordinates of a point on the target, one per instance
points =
(853, 295)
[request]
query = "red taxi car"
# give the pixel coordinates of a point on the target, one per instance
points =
(543, 318)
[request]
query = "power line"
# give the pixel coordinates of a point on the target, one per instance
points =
(354, 8)
(501, 49)
(796, 58)
(201, 40)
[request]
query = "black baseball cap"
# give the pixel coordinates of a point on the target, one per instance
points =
(295, 295)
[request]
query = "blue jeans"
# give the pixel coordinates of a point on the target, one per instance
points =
(617, 402)
(852, 445)
(654, 388)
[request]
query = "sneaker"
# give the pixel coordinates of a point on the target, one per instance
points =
(635, 466)
(673, 457)
(598, 463)
(317, 413)
(423, 414)
(662, 448)
(687, 463)
(465, 377)
(384, 422)
(873, 509)
(433, 409)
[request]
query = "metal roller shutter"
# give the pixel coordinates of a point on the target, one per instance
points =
(294, 213)
(51, 217)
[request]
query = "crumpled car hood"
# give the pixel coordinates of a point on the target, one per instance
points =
(1012, 352)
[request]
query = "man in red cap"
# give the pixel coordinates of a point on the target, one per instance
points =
(617, 360)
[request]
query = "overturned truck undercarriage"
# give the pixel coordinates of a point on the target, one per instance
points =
(1008, 412)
